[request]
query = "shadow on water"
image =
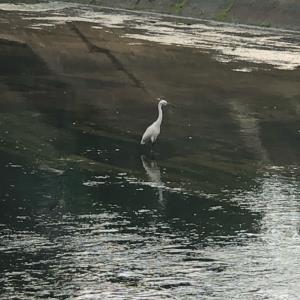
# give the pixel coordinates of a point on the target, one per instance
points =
(85, 212)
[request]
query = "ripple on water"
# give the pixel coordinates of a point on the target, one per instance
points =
(110, 253)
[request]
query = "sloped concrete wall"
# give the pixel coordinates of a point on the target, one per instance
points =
(269, 13)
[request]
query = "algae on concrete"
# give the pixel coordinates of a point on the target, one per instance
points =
(179, 6)
(224, 14)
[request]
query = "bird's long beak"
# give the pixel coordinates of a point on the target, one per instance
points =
(172, 105)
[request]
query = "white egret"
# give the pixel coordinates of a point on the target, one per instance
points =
(153, 131)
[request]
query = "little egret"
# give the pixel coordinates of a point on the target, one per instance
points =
(153, 131)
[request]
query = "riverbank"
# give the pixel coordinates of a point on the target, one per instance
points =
(266, 13)
(79, 62)
(87, 213)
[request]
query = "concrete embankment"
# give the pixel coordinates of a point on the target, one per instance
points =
(268, 13)
(100, 84)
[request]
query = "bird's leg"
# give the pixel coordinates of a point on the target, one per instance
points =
(152, 150)
(152, 146)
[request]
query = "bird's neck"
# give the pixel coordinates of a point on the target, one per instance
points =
(160, 114)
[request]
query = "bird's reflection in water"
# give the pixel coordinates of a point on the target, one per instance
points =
(153, 172)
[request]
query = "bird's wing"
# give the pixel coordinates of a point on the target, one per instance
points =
(147, 135)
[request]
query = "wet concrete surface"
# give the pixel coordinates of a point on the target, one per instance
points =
(86, 213)
(271, 13)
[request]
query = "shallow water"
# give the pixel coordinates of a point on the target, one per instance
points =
(86, 213)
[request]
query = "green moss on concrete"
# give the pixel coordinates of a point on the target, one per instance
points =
(265, 24)
(179, 6)
(224, 14)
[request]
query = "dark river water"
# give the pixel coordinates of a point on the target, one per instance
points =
(87, 213)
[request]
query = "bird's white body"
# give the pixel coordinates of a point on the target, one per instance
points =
(153, 131)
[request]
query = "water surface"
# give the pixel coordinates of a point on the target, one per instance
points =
(86, 213)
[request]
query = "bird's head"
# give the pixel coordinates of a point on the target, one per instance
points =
(162, 102)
